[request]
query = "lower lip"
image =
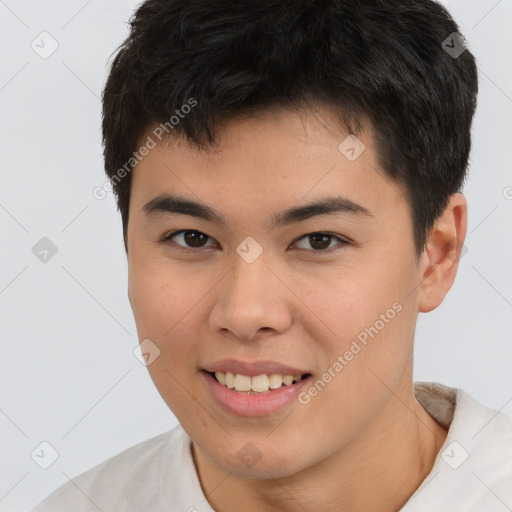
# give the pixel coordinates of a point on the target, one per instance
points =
(254, 405)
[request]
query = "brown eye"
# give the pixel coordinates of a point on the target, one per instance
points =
(320, 242)
(188, 239)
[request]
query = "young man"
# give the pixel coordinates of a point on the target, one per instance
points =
(289, 176)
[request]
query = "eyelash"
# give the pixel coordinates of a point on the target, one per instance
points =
(343, 242)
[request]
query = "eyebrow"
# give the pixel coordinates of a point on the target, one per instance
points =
(168, 204)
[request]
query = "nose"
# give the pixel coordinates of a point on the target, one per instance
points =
(251, 299)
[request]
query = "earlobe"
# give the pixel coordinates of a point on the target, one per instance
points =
(440, 259)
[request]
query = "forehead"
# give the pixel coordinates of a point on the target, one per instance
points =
(270, 160)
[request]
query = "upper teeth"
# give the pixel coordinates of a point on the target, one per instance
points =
(259, 383)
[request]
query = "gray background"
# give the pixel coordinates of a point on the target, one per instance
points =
(69, 376)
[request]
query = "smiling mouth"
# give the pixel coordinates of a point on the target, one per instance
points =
(257, 385)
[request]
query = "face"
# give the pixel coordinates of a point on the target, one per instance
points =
(255, 283)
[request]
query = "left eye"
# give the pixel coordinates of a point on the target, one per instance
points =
(196, 240)
(321, 241)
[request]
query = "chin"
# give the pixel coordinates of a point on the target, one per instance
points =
(252, 463)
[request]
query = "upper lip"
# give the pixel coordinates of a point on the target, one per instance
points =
(251, 369)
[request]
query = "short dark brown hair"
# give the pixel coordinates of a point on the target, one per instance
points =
(386, 61)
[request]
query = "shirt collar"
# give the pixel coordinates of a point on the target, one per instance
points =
(473, 469)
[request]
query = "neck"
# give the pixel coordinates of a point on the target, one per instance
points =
(379, 470)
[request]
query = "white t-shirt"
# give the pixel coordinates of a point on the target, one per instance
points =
(472, 472)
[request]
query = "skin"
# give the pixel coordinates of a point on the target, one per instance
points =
(364, 443)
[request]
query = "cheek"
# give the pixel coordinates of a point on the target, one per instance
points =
(163, 306)
(168, 307)
(364, 325)
(350, 306)
(160, 298)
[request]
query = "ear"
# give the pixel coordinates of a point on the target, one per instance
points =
(440, 259)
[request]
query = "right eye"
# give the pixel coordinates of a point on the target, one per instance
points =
(190, 238)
